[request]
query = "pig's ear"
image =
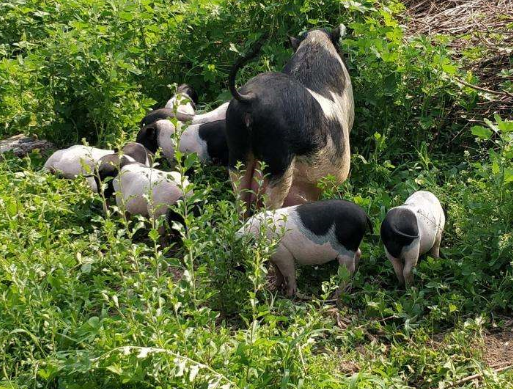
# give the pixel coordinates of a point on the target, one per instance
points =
(294, 42)
(337, 33)
(151, 132)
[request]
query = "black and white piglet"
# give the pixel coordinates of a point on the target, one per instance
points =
(82, 160)
(410, 230)
(312, 234)
(207, 140)
(139, 189)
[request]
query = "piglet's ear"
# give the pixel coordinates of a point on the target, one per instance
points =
(337, 33)
(294, 42)
(151, 132)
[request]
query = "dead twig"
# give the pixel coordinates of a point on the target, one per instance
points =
(479, 88)
(477, 376)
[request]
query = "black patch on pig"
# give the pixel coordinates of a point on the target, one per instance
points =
(174, 216)
(398, 230)
(161, 114)
(214, 134)
(137, 151)
(351, 222)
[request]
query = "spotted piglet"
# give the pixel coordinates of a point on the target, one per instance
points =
(312, 234)
(411, 230)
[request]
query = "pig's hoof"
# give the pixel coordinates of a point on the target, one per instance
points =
(291, 292)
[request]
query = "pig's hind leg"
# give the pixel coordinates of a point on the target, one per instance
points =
(279, 277)
(279, 188)
(284, 261)
(435, 250)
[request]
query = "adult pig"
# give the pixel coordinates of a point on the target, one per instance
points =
(297, 122)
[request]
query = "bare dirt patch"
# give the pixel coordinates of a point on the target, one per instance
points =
(481, 39)
(498, 348)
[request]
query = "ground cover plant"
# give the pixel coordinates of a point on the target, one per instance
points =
(92, 300)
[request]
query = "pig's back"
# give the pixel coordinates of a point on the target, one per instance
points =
(69, 162)
(319, 232)
(430, 217)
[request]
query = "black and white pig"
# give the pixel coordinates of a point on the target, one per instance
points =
(75, 160)
(184, 101)
(139, 189)
(207, 140)
(80, 160)
(411, 230)
(312, 234)
(145, 191)
(296, 121)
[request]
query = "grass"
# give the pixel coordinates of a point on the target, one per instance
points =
(83, 304)
(91, 300)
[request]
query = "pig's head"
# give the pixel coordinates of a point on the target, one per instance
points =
(138, 152)
(184, 101)
(318, 36)
(400, 235)
(189, 92)
(109, 167)
(317, 62)
(158, 134)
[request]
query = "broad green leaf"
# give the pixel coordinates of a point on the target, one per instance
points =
(449, 69)
(481, 132)
(508, 175)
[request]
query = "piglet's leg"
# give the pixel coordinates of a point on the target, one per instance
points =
(279, 277)
(279, 189)
(398, 267)
(284, 261)
(435, 250)
(410, 261)
(349, 262)
(357, 257)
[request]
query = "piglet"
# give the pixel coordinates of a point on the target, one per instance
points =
(109, 165)
(207, 140)
(75, 160)
(312, 234)
(82, 160)
(184, 101)
(410, 230)
(145, 191)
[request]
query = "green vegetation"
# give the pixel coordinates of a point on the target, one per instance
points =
(91, 300)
